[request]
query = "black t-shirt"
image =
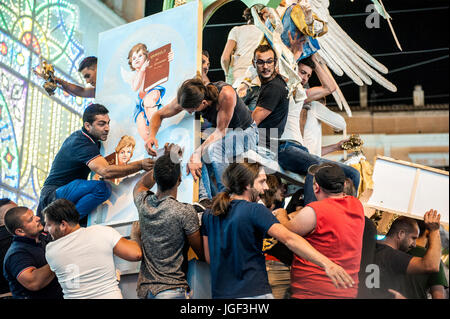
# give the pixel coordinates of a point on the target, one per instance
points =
(392, 265)
(5, 242)
(273, 97)
(242, 117)
(367, 256)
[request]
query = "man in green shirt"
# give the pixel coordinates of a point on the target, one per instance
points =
(433, 283)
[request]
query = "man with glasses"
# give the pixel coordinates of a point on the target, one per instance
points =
(272, 106)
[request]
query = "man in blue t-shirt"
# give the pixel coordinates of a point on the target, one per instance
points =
(233, 233)
(77, 157)
(25, 267)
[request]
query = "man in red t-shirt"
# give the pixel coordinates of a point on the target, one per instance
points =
(333, 225)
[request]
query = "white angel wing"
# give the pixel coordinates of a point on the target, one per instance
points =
(343, 55)
(127, 76)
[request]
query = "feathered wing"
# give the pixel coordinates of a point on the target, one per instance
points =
(343, 55)
(127, 76)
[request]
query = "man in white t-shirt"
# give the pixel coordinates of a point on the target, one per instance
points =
(238, 52)
(293, 154)
(82, 258)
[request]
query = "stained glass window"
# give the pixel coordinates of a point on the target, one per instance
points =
(32, 124)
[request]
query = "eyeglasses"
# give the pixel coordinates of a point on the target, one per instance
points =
(260, 62)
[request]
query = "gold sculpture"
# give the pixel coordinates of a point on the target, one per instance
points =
(354, 143)
(48, 73)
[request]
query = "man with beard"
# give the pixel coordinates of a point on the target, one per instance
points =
(393, 261)
(270, 113)
(233, 233)
(77, 157)
(25, 266)
(82, 257)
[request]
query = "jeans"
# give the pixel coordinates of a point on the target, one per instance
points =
(86, 195)
(177, 293)
(297, 159)
(221, 153)
(206, 188)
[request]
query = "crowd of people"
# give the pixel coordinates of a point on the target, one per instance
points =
(259, 242)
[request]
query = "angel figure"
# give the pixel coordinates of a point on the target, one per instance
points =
(149, 99)
(340, 53)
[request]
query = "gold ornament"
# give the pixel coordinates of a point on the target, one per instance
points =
(354, 143)
(48, 73)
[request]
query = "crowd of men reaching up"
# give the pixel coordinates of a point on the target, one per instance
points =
(323, 247)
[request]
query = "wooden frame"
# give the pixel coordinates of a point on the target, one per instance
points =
(420, 171)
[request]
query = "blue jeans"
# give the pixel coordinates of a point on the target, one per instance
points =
(177, 293)
(206, 188)
(221, 153)
(297, 159)
(86, 195)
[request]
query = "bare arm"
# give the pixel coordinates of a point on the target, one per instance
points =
(144, 184)
(227, 102)
(332, 148)
(303, 222)
(76, 90)
(259, 114)
(327, 87)
(100, 166)
(196, 242)
(139, 76)
(225, 59)
(167, 111)
(431, 261)
(128, 250)
(35, 279)
(299, 246)
(206, 249)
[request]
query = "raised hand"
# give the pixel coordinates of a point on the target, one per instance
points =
(432, 219)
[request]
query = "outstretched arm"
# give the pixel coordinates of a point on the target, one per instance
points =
(100, 166)
(76, 90)
(72, 89)
(327, 87)
(167, 111)
(299, 246)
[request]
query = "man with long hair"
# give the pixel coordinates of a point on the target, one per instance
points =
(233, 233)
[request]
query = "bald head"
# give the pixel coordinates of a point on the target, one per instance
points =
(5, 205)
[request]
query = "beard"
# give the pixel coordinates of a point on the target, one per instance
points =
(254, 195)
(404, 246)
